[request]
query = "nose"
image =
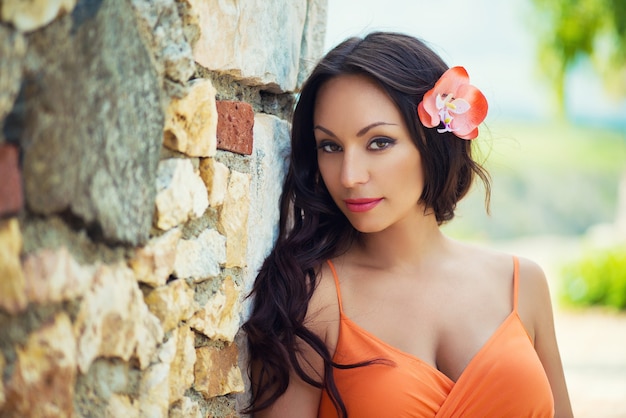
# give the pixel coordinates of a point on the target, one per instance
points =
(354, 169)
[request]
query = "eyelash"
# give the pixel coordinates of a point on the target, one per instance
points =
(382, 142)
(325, 144)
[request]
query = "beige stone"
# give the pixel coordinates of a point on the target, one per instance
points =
(200, 258)
(191, 122)
(154, 263)
(181, 193)
(154, 385)
(217, 372)
(248, 49)
(233, 219)
(121, 406)
(219, 319)
(12, 50)
(13, 297)
(55, 276)
(42, 383)
(313, 38)
(114, 321)
(29, 15)
(215, 177)
(172, 303)
(182, 366)
(2, 395)
(186, 408)
(269, 163)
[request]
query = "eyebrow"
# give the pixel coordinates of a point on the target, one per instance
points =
(361, 132)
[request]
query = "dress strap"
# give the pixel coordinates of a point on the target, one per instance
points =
(515, 282)
(332, 268)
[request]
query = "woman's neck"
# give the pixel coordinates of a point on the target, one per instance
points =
(404, 244)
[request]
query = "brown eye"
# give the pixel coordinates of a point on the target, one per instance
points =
(329, 147)
(378, 144)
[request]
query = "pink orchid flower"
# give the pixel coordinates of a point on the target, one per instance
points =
(454, 102)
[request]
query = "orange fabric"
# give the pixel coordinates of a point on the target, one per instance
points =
(504, 379)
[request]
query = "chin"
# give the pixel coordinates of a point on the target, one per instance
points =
(364, 228)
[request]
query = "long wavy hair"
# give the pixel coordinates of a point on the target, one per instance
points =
(312, 229)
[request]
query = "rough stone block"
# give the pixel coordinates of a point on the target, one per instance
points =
(186, 408)
(268, 168)
(182, 366)
(2, 395)
(191, 122)
(161, 26)
(55, 276)
(215, 177)
(200, 258)
(154, 385)
(235, 126)
(235, 39)
(233, 219)
(30, 15)
(11, 195)
(219, 318)
(182, 194)
(121, 406)
(154, 263)
(217, 372)
(114, 321)
(42, 383)
(172, 303)
(91, 146)
(12, 51)
(13, 297)
(313, 38)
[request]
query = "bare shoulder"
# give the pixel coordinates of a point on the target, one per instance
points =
(497, 268)
(496, 264)
(535, 309)
(534, 299)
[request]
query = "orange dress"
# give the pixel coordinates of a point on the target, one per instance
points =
(504, 379)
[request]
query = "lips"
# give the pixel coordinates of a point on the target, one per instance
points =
(362, 205)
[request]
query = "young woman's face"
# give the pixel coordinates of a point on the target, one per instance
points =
(366, 157)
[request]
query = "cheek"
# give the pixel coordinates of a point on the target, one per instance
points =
(407, 167)
(327, 169)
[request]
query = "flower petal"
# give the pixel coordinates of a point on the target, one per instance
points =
(428, 114)
(466, 123)
(459, 106)
(451, 80)
(466, 109)
(471, 135)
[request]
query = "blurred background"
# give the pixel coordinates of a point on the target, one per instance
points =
(554, 72)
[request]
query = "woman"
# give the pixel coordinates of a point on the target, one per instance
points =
(364, 308)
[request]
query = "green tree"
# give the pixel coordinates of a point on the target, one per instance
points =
(573, 29)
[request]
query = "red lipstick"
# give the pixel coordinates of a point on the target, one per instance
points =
(362, 205)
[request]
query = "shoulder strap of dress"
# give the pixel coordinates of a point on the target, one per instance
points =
(515, 281)
(332, 268)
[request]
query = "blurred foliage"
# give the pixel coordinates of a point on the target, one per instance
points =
(572, 29)
(599, 278)
(547, 179)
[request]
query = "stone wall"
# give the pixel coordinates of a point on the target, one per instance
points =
(142, 151)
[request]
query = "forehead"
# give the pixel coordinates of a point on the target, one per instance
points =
(353, 98)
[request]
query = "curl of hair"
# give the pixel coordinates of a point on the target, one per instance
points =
(311, 227)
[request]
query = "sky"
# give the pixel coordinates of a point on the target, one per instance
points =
(495, 41)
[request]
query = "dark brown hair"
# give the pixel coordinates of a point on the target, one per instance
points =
(312, 229)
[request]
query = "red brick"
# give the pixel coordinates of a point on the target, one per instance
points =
(235, 121)
(11, 194)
